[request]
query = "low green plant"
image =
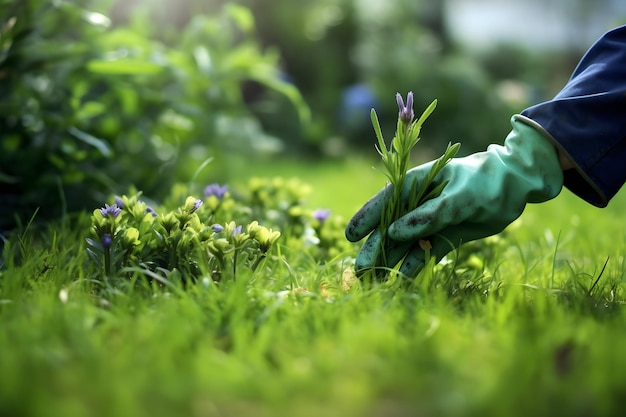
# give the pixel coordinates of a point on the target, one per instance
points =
(213, 237)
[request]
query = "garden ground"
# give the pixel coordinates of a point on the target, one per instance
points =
(526, 323)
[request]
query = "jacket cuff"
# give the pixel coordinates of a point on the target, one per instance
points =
(575, 179)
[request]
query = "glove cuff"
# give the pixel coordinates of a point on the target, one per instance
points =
(535, 158)
(576, 179)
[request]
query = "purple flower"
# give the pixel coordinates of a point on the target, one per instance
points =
(107, 241)
(321, 214)
(237, 230)
(120, 202)
(217, 228)
(112, 211)
(215, 189)
(405, 112)
(196, 205)
(151, 211)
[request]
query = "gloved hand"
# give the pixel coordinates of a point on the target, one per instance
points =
(485, 193)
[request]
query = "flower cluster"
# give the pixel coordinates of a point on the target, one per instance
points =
(214, 236)
(117, 228)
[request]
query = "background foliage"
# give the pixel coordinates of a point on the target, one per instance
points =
(89, 107)
(102, 94)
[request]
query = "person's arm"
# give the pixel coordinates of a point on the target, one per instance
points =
(577, 139)
(586, 121)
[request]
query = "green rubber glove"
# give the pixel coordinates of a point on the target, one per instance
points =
(486, 191)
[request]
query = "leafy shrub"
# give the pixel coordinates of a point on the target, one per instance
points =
(89, 108)
(335, 48)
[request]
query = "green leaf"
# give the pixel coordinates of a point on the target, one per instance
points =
(95, 258)
(90, 109)
(382, 147)
(123, 67)
(57, 162)
(413, 193)
(99, 144)
(426, 113)
(203, 59)
(8, 179)
(450, 152)
(288, 90)
(241, 15)
(434, 192)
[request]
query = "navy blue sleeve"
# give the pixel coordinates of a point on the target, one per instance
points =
(587, 120)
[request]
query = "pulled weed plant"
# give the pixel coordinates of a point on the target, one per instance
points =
(396, 160)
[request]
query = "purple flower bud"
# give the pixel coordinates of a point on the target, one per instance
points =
(151, 211)
(112, 211)
(215, 189)
(237, 230)
(196, 205)
(321, 215)
(120, 202)
(107, 241)
(405, 112)
(217, 228)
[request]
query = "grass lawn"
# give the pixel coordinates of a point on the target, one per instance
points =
(515, 325)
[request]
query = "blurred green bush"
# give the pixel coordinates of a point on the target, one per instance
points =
(89, 108)
(334, 48)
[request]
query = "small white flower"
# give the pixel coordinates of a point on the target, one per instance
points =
(64, 295)
(310, 239)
